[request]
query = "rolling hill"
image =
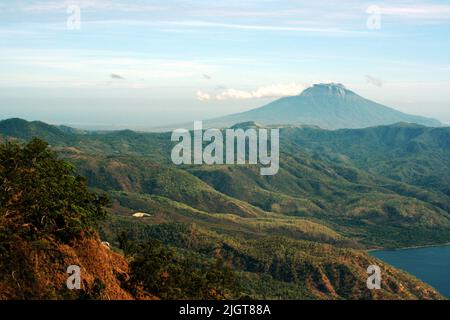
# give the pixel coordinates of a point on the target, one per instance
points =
(377, 187)
(298, 234)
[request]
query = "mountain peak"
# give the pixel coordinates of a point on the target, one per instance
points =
(329, 89)
(327, 105)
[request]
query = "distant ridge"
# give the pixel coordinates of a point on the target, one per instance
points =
(329, 106)
(23, 129)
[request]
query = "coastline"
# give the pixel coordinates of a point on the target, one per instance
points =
(430, 269)
(412, 247)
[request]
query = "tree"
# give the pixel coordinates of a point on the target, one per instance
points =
(159, 270)
(40, 194)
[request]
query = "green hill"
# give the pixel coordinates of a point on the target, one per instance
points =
(369, 184)
(297, 234)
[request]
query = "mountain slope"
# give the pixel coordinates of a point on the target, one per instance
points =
(48, 261)
(277, 267)
(295, 235)
(383, 186)
(329, 106)
(409, 153)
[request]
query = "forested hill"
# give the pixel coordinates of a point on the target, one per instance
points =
(298, 234)
(383, 186)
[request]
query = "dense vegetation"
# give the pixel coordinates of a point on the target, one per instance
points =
(45, 207)
(380, 187)
(42, 202)
(270, 267)
(286, 236)
(40, 195)
(159, 270)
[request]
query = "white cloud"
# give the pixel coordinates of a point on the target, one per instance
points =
(259, 27)
(57, 6)
(203, 96)
(282, 16)
(278, 90)
(233, 94)
(431, 11)
(192, 25)
(270, 91)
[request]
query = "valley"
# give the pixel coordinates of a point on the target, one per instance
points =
(300, 234)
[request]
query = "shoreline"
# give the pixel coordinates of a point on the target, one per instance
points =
(412, 247)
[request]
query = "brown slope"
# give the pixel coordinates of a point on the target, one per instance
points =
(39, 271)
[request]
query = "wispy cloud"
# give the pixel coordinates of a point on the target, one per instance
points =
(116, 76)
(283, 15)
(374, 81)
(109, 5)
(259, 27)
(90, 66)
(190, 16)
(184, 26)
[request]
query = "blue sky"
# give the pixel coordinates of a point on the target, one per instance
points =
(151, 63)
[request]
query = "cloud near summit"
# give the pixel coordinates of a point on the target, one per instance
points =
(270, 91)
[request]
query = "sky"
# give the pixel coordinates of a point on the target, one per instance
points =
(104, 63)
